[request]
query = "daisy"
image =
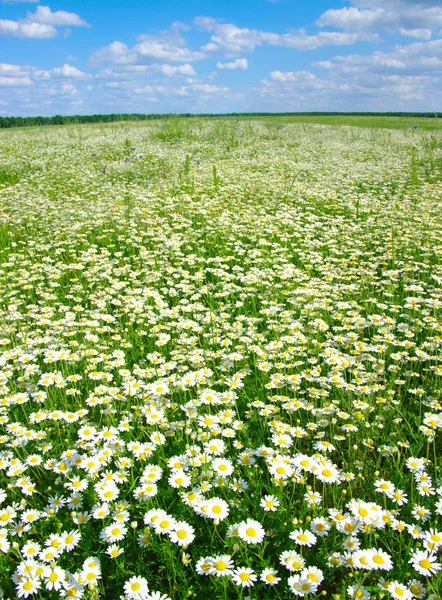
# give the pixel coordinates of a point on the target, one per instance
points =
(221, 566)
(424, 563)
(313, 574)
(182, 534)
(383, 486)
(217, 509)
(115, 532)
(352, 544)
(361, 559)
(417, 588)
(399, 591)
(70, 540)
(101, 511)
(27, 586)
(204, 565)
(114, 551)
(164, 524)
(434, 537)
(301, 586)
(72, 588)
(320, 526)
(269, 503)
(313, 498)
(179, 479)
(358, 592)
(157, 596)
(136, 588)
(380, 560)
(55, 578)
(269, 577)
(251, 531)
(327, 473)
(244, 577)
(223, 467)
(303, 537)
(292, 561)
(30, 549)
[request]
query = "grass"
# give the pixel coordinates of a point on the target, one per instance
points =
(220, 351)
(363, 121)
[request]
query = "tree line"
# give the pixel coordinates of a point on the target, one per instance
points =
(7, 122)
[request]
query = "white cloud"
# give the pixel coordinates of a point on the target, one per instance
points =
(207, 88)
(414, 19)
(41, 24)
(167, 46)
(147, 89)
(14, 81)
(239, 63)
(24, 29)
(418, 58)
(232, 40)
(185, 70)
(304, 79)
(68, 72)
(45, 16)
(160, 50)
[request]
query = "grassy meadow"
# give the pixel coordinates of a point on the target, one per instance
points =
(220, 359)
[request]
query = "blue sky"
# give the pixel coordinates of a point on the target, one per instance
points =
(89, 56)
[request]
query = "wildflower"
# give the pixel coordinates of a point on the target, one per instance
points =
(221, 566)
(204, 565)
(244, 577)
(27, 586)
(136, 588)
(399, 591)
(251, 531)
(424, 563)
(182, 533)
(269, 503)
(55, 578)
(358, 591)
(269, 577)
(301, 586)
(303, 537)
(292, 561)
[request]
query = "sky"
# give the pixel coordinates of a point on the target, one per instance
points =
(207, 56)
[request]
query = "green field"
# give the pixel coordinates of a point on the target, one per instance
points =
(426, 124)
(220, 359)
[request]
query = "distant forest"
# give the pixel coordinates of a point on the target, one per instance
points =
(7, 122)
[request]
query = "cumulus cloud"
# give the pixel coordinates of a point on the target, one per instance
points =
(14, 81)
(167, 46)
(41, 24)
(232, 40)
(45, 16)
(413, 19)
(183, 70)
(418, 58)
(25, 29)
(68, 72)
(13, 75)
(239, 63)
